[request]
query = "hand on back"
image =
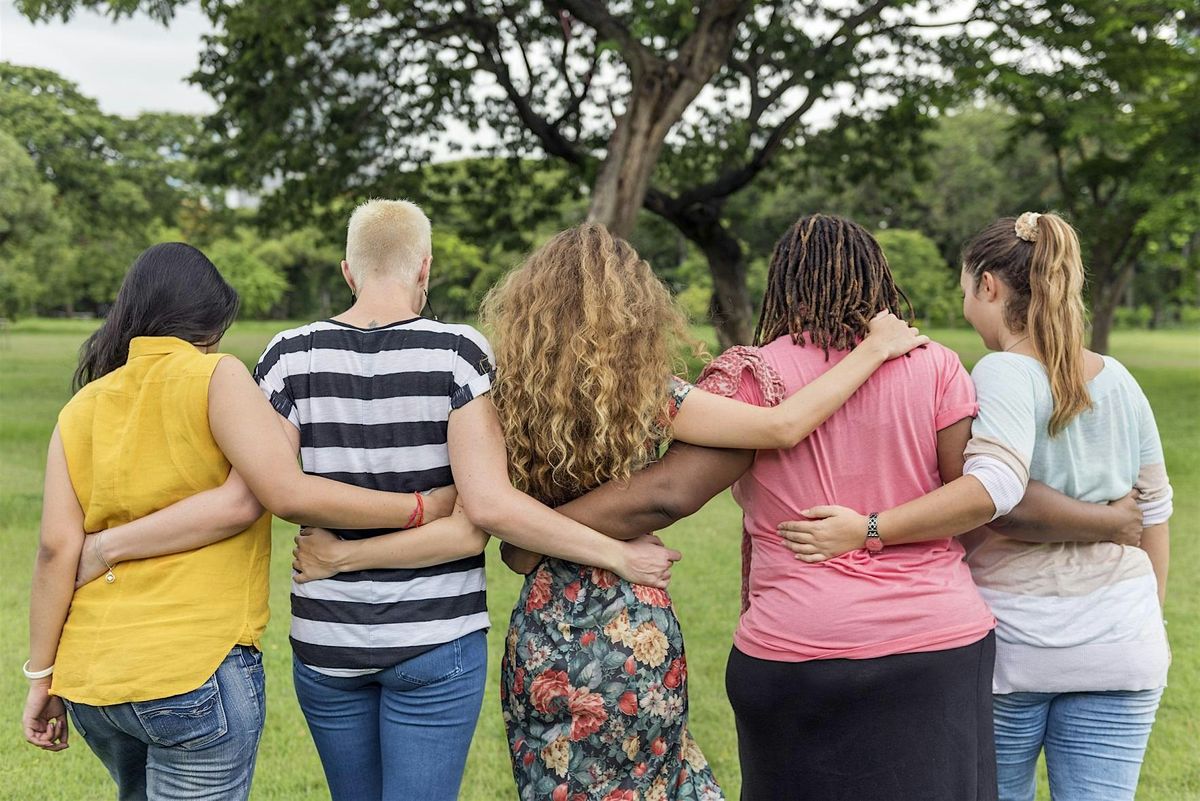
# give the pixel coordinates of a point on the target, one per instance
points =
(1129, 532)
(895, 337)
(645, 560)
(829, 532)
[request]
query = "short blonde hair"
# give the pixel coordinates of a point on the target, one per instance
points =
(387, 237)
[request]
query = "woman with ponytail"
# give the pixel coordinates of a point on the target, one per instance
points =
(1081, 651)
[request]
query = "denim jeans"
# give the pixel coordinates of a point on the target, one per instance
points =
(402, 733)
(197, 746)
(1094, 743)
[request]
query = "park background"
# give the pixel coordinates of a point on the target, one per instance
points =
(700, 131)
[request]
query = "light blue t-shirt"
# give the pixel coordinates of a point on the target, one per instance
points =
(1071, 616)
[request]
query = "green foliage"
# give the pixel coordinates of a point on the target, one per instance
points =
(251, 268)
(115, 179)
(461, 275)
(1115, 97)
(31, 232)
(924, 276)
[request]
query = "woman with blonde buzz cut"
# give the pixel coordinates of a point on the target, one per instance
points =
(594, 681)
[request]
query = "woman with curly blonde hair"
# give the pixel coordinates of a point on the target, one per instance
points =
(594, 676)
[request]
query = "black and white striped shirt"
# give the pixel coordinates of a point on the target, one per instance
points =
(372, 408)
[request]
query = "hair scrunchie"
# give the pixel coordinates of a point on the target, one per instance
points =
(1026, 226)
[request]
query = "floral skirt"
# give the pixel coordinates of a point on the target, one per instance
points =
(594, 692)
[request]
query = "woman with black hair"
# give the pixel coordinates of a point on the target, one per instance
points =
(159, 662)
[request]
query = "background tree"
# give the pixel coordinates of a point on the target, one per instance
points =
(1113, 90)
(114, 178)
(331, 96)
(32, 234)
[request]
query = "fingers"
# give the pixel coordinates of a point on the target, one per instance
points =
(674, 555)
(653, 538)
(797, 531)
(822, 512)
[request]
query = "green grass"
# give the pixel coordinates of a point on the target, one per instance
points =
(36, 360)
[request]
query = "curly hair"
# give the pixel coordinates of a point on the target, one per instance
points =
(586, 341)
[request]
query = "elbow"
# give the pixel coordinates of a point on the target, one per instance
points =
(784, 436)
(475, 542)
(52, 553)
(670, 511)
(283, 503)
(488, 511)
(244, 511)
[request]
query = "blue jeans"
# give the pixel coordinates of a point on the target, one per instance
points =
(1094, 743)
(402, 733)
(200, 745)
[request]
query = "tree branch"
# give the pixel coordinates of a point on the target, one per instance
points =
(551, 138)
(596, 14)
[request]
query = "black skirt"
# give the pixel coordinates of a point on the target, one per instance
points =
(908, 727)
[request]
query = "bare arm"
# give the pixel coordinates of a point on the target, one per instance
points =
(719, 422)
(480, 463)
(61, 538)
(248, 432)
(962, 505)
(319, 554)
(674, 487)
(959, 506)
(1047, 515)
(195, 521)
(1156, 542)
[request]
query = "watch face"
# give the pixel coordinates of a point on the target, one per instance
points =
(874, 544)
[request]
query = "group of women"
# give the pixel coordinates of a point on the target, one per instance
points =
(943, 574)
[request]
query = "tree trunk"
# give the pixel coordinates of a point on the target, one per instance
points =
(1108, 287)
(625, 174)
(730, 309)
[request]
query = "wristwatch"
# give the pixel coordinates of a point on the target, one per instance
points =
(873, 544)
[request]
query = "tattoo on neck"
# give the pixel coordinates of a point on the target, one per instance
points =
(373, 324)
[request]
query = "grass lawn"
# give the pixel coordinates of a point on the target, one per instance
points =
(36, 361)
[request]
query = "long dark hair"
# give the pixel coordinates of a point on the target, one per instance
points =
(828, 277)
(172, 290)
(1044, 270)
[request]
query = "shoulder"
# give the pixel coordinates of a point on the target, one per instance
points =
(724, 375)
(470, 342)
(298, 338)
(1117, 374)
(83, 400)
(937, 352)
(1000, 369)
(291, 340)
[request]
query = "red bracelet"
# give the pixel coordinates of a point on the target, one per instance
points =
(418, 516)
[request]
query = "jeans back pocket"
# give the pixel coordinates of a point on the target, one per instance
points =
(437, 664)
(189, 721)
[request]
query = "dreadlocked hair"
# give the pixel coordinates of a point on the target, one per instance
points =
(828, 277)
(586, 341)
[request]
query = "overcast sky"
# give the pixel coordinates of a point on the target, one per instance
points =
(129, 66)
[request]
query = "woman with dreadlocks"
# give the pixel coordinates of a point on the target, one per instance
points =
(868, 676)
(879, 659)
(1082, 652)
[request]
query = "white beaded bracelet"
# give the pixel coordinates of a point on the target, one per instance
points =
(36, 674)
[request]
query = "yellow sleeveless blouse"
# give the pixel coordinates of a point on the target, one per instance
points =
(138, 440)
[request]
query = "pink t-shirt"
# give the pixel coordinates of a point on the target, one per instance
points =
(878, 451)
